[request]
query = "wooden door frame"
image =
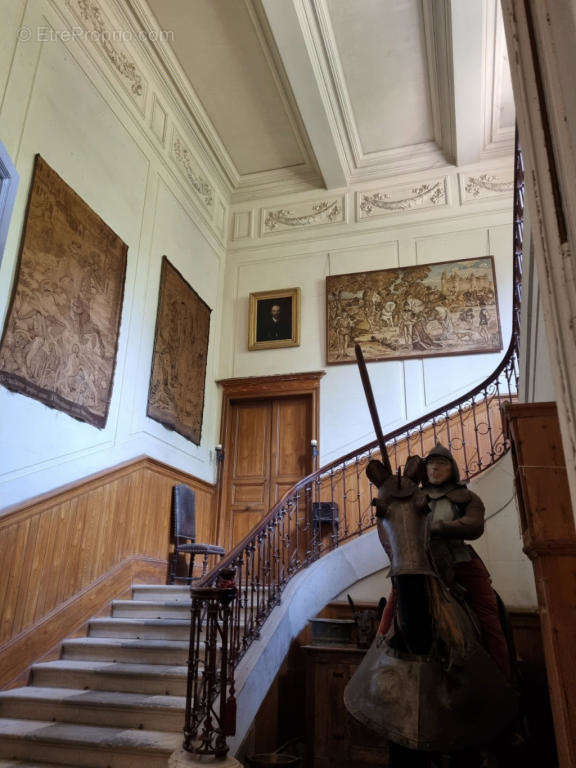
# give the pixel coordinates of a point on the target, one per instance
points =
(261, 388)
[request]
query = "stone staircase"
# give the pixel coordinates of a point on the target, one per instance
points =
(114, 699)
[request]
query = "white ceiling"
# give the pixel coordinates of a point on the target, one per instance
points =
(380, 48)
(361, 89)
(217, 43)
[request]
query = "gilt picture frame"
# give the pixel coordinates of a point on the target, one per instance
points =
(274, 319)
(427, 310)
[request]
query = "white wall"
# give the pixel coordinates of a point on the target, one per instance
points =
(64, 100)
(69, 101)
(403, 389)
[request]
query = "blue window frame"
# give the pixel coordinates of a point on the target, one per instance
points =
(8, 185)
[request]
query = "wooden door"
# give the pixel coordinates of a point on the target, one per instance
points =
(269, 451)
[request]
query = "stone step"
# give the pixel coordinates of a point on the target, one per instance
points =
(151, 609)
(160, 592)
(139, 629)
(160, 679)
(103, 708)
(22, 764)
(127, 650)
(85, 745)
(177, 594)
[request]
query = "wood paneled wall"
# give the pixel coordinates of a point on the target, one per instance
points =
(549, 534)
(66, 554)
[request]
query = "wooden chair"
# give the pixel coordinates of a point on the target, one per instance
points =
(184, 530)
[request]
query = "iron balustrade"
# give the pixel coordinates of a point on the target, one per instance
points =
(297, 531)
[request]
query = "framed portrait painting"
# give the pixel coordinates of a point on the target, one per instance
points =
(274, 319)
(428, 310)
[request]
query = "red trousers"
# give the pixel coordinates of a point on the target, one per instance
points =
(482, 598)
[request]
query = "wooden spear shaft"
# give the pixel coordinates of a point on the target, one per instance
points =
(371, 404)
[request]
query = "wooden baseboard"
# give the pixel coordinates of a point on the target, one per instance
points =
(42, 639)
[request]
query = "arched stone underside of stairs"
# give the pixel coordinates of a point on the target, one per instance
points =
(117, 696)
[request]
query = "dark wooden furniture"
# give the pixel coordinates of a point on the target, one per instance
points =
(334, 738)
(549, 534)
(184, 530)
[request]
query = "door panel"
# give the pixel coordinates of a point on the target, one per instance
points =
(248, 491)
(257, 493)
(269, 451)
(290, 444)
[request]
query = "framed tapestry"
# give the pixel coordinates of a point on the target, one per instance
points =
(61, 333)
(446, 308)
(274, 319)
(177, 381)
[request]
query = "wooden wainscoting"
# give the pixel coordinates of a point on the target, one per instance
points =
(66, 554)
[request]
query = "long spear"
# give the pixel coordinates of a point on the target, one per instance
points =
(372, 405)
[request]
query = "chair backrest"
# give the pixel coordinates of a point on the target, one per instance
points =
(184, 511)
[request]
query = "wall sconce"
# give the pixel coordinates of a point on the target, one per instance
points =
(219, 453)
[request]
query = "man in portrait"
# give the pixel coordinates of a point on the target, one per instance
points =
(274, 319)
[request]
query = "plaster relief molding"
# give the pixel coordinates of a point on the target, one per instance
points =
(438, 37)
(401, 199)
(498, 139)
(191, 170)
(330, 211)
(220, 217)
(159, 121)
(364, 166)
(485, 185)
(178, 90)
(242, 226)
(107, 39)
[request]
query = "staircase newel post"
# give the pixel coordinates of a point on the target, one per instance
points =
(211, 670)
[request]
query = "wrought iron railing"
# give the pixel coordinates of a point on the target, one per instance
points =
(333, 505)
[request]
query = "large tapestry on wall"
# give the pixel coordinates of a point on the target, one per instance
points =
(447, 308)
(177, 382)
(61, 334)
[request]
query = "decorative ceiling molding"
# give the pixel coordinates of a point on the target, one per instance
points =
(479, 186)
(188, 166)
(167, 67)
(367, 166)
(419, 200)
(497, 139)
(156, 119)
(104, 35)
(438, 33)
(401, 198)
(306, 214)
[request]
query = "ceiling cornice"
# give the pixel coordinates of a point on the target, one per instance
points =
(160, 56)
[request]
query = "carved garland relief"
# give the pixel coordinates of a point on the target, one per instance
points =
(304, 215)
(381, 202)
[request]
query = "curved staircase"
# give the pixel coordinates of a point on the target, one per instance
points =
(117, 696)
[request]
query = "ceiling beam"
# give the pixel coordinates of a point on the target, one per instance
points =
(289, 27)
(467, 23)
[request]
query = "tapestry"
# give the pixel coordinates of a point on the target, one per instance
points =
(61, 333)
(177, 382)
(446, 308)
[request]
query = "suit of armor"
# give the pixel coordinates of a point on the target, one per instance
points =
(457, 516)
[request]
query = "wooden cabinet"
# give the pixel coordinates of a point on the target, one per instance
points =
(334, 738)
(550, 541)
